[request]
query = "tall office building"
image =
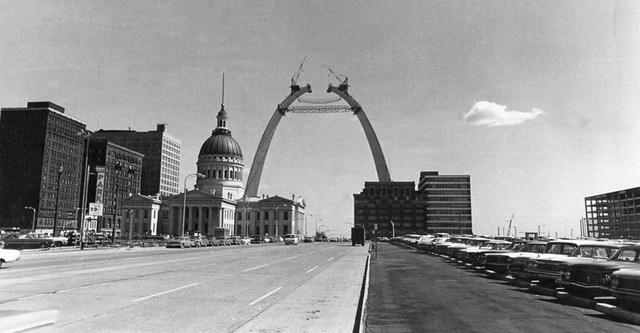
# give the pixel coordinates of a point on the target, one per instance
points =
(41, 164)
(161, 163)
(448, 202)
(613, 215)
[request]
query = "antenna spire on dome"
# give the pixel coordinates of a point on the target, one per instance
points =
(222, 114)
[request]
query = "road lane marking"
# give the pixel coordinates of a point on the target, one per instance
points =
(265, 296)
(83, 287)
(32, 296)
(164, 292)
(258, 267)
(311, 270)
(290, 258)
(331, 258)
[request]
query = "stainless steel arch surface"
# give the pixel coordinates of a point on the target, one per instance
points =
(263, 148)
(374, 144)
(253, 182)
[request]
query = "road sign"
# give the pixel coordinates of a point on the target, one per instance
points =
(95, 209)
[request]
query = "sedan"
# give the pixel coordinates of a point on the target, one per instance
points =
(8, 256)
(180, 242)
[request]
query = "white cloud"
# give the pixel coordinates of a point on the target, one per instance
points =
(490, 114)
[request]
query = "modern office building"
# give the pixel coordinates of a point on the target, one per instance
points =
(161, 164)
(115, 175)
(448, 202)
(613, 215)
(442, 203)
(41, 164)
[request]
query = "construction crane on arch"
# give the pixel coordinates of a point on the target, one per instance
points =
(343, 79)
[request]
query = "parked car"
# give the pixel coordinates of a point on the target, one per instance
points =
(235, 240)
(245, 240)
(200, 241)
(331, 239)
(257, 239)
(517, 267)
(498, 263)
(591, 279)
(472, 254)
(625, 285)
(546, 268)
(180, 242)
(309, 239)
(27, 241)
(7, 255)
(290, 239)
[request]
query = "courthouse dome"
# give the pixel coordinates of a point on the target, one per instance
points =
(221, 143)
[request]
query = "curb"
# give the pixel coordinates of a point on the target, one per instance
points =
(618, 312)
(361, 315)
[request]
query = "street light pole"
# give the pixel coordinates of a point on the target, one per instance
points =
(184, 195)
(130, 211)
(277, 217)
(393, 229)
(33, 219)
(305, 224)
(55, 216)
(86, 136)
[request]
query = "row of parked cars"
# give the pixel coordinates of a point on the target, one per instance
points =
(201, 241)
(605, 269)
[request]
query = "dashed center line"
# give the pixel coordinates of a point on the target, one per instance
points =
(164, 292)
(265, 296)
(331, 258)
(311, 270)
(257, 267)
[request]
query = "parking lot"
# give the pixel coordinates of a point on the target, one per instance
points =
(417, 292)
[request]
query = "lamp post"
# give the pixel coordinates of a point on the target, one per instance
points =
(393, 229)
(86, 135)
(55, 215)
(33, 219)
(316, 235)
(305, 224)
(184, 201)
(130, 212)
(277, 217)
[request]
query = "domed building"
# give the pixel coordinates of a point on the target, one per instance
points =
(210, 208)
(220, 161)
(217, 206)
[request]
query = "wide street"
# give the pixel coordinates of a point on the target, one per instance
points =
(269, 287)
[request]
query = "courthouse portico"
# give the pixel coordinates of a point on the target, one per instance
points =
(203, 212)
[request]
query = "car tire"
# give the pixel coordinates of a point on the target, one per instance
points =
(44, 246)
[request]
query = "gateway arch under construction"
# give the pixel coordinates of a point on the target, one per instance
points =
(342, 91)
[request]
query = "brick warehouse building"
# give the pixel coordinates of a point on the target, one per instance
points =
(442, 203)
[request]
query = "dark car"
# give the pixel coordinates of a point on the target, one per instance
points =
(20, 242)
(591, 279)
(257, 240)
(498, 263)
(546, 267)
(625, 285)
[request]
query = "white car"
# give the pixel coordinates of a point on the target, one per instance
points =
(7, 255)
(290, 239)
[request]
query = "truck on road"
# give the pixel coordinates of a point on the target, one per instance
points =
(357, 235)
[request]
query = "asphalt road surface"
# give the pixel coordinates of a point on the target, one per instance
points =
(266, 288)
(412, 292)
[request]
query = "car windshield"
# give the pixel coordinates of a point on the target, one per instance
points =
(627, 255)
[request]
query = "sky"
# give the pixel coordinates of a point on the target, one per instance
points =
(536, 100)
